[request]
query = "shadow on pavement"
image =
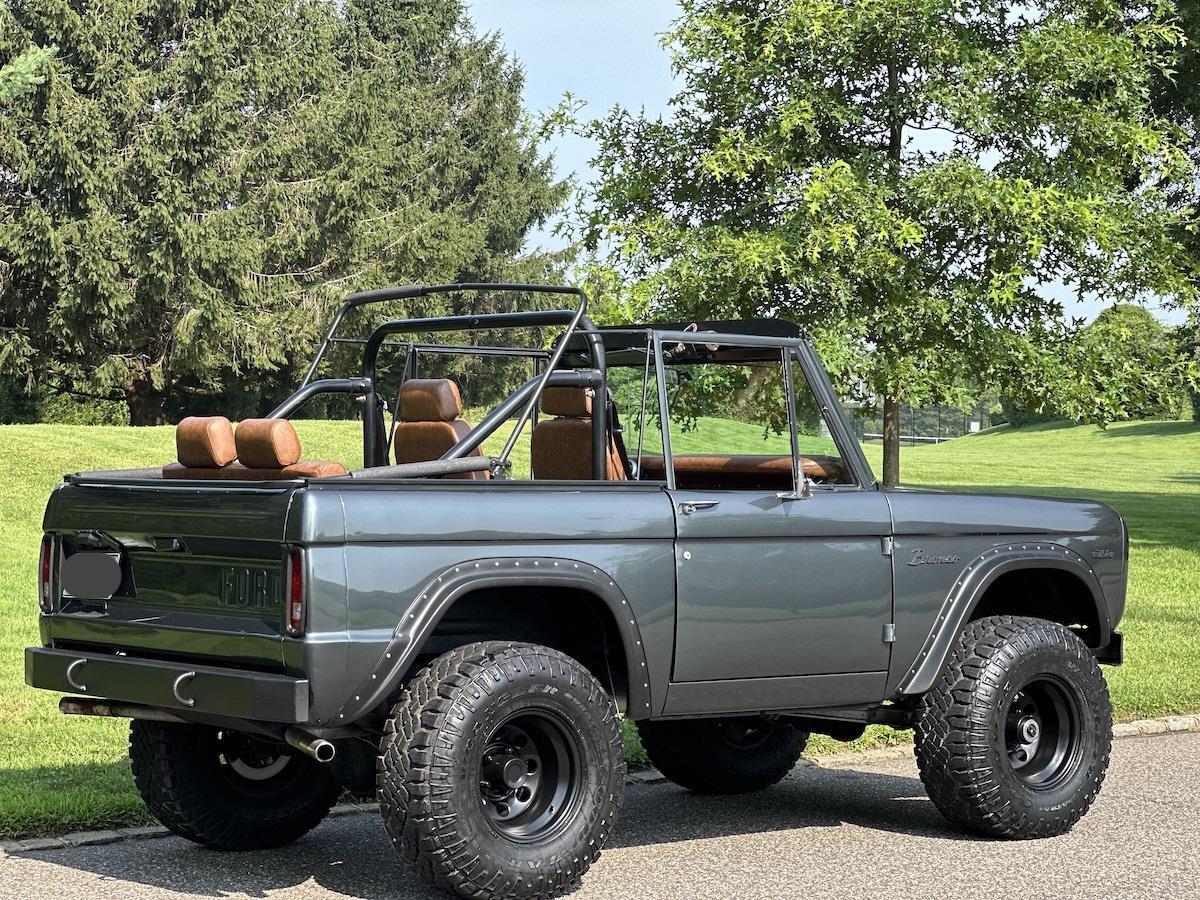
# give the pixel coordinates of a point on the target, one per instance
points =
(351, 856)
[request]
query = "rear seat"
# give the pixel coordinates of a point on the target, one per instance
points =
(261, 450)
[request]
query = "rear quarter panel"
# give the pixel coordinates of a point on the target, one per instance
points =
(373, 549)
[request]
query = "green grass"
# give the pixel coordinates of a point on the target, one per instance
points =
(58, 774)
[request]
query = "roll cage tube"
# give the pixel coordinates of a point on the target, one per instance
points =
(573, 320)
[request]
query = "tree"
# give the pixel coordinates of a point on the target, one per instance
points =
(1189, 339)
(194, 185)
(906, 179)
(1148, 368)
(1175, 96)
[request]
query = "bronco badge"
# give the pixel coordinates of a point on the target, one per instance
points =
(921, 558)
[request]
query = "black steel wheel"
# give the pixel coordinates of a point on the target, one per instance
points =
(526, 780)
(1042, 732)
(1013, 739)
(723, 756)
(225, 789)
(530, 777)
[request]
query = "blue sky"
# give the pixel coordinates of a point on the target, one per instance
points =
(605, 52)
(608, 52)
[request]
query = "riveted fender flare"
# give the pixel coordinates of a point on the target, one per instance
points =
(973, 582)
(440, 593)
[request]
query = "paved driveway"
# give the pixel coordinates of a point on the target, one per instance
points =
(865, 830)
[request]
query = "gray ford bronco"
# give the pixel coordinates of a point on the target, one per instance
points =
(669, 523)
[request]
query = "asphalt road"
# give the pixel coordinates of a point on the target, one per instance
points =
(865, 830)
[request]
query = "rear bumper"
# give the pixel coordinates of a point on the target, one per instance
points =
(177, 687)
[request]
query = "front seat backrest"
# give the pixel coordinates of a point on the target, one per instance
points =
(561, 448)
(429, 422)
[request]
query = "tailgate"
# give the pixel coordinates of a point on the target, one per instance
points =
(202, 568)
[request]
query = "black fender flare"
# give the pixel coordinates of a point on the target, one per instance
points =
(974, 580)
(440, 593)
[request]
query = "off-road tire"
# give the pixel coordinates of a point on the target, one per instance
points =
(179, 772)
(698, 754)
(964, 718)
(430, 787)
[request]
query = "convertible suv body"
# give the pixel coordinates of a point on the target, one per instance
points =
(459, 630)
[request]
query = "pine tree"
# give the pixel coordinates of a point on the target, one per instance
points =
(195, 182)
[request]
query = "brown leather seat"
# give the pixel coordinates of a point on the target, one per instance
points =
(561, 448)
(429, 422)
(265, 450)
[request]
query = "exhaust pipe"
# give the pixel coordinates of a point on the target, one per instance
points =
(318, 748)
(89, 706)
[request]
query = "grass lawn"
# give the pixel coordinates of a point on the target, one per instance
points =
(59, 774)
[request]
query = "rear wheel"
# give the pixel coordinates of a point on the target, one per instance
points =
(226, 789)
(723, 756)
(501, 771)
(1014, 737)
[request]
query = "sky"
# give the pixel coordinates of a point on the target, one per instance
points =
(607, 53)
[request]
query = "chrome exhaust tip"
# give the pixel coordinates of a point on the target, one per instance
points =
(318, 748)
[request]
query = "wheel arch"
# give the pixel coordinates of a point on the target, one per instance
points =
(534, 599)
(997, 582)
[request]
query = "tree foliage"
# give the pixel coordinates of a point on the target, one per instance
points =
(194, 182)
(23, 72)
(907, 178)
(1148, 369)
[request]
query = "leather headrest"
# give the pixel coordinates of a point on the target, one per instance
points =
(429, 400)
(205, 442)
(267, 443)
(575, 403)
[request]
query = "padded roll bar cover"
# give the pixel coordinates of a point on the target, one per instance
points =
(267, 443)
(205, 442)
(430, 400)
(568, 402)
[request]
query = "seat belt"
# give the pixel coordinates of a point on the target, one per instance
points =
(616, 431)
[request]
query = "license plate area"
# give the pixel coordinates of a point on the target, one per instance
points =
(93, 569)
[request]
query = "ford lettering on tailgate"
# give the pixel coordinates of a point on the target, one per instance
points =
(250, 589)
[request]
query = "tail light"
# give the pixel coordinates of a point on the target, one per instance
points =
(45, 574)
(295, 596)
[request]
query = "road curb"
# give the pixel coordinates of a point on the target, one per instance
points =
(1137, 728)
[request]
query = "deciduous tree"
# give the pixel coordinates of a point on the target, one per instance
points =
(918, 181)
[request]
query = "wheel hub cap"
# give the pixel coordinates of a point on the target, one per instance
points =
(530, 778)
(1041, 733)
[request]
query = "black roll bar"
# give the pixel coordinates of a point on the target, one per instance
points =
(493, 420)
(574, 320)
(410, 291)
(324, 386)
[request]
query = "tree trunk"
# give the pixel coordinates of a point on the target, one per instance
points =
(145, 402)
(891, 442)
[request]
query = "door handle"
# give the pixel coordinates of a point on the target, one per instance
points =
(690, 506)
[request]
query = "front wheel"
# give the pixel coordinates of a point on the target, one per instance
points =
(225, 789)
(722, 756)
(501, 771)
(1013, 739)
